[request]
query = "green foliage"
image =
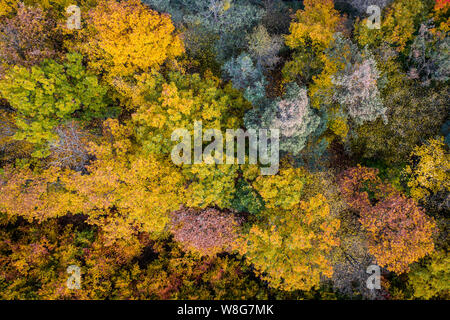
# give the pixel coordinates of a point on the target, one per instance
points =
(50, 94)
(291, 251)
(246, 199)
(431, 278)
(177, 102)
(398, 24)
(414, 114)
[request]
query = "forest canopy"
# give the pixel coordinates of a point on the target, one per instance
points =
(354, 113)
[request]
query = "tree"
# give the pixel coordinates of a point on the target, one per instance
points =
(34, 262)
(58, 6)
(246, 199)
(124, 186)
(26, 39)
(177, 275)
(216, 26)
(179, 101)
(48, 95)
(282, 191)
(414, 114)
(429, 172)
(207, 232)
(362, 5)
(10, 149)
(356, 89)
(113, 25)
(314, 25)
(210, 185)
(398, 25)
(310, 34)
(295, 119)
(356, 183)
(351, 260)
(348, 87)
(291, 252)
(429, 57)
(440, 14)
(263, 47)
(291, 114)
(70, 150)
(7, 7)
(430, 279)
(242, 72)
(121, 190)
(399, 232)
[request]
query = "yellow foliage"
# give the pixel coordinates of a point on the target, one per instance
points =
(291, 253)
(127, 37)
(432, 281)
(432, 173)
(321, 90)
(398, 25)
(7, 7)
(142, 189)
(33, 195)
(339, 127)
(281, 191)
(210, 185)
(316, 24)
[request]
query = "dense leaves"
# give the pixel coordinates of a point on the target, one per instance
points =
(89, 120)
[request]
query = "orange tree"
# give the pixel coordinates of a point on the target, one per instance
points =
(399, 232)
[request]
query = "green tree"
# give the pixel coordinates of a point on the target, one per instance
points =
(50, 94)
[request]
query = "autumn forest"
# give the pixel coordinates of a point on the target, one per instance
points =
(94, 206)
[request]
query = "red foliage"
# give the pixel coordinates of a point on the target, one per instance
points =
(356, 183)
(207, 231)
(440, 4)
(26, 39)
(399, 232)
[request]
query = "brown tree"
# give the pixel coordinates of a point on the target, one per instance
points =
(208, 231)
(27, 38)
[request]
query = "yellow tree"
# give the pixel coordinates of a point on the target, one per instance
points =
(282, 191)
(430, 173)
(291, 252)
(398, 25)
(430, 279)
(314, 25)
(290, 245)
(7, 7)
(35, 195)
(127, 37)
(124, 191)
(178, 102)
(126, 187)
(310, 34)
